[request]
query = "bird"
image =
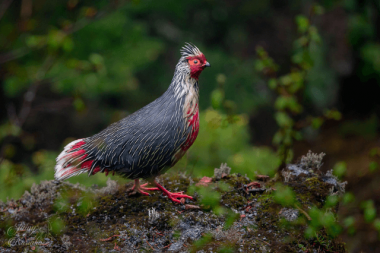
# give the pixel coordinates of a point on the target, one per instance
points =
(148, 142)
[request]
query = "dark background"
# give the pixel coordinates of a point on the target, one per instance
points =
(70, 68)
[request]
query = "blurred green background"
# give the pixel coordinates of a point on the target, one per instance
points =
(70, 68)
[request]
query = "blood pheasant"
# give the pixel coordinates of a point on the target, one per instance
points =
(148, 142)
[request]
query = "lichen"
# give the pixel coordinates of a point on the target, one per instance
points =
(110, 220)
(312, 160)
(221, 172)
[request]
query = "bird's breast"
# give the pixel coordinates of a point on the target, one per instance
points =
(192, 122)
(193, 126)
(191, 115)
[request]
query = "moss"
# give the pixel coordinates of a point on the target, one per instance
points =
(311, 190)
(234, 200)
(94, 220)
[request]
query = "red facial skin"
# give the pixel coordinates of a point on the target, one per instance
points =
(197, 65)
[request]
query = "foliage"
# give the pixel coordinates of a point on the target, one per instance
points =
(289, 87)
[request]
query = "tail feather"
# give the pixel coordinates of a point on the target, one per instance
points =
(71, 161)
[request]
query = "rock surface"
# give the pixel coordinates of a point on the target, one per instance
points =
(231, 213)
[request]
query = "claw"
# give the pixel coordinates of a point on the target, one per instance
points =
(177, 197)
(173, 196)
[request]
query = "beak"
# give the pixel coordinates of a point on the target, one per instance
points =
(207, 64)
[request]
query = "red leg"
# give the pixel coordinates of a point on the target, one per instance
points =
(148, 189)
(172, 196)
(141, 188)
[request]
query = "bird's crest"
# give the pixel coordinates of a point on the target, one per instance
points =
(190, 50)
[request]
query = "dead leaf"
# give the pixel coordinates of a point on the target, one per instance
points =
(192, 207)
(254, 184)
(205, 181)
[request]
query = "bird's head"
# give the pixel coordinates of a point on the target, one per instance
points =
(193, 60)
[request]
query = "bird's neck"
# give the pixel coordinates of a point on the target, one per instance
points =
(186, 92)
(184, 86)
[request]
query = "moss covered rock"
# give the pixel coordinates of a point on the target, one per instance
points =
(231, 213)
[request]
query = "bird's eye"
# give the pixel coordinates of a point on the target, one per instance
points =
(195, 62)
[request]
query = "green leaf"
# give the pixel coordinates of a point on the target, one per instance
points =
(57, 226)
(331, 201)
(278, 136)
(314, 35)
(96, 59)
(310, 232)
(302, 23)
(333, 114)
(348, 197)
(297, 135)
(288, 102)
(300, 43)
(209, 197)
(79, 105)
(281, 103)
(284, 195)
(318, 9)
(203, 241)
(272, 83)
(230, 219)
(316, 123)
(369, 210)
(67, 44)
(376, 224)
(35, 41)
(283, 119)
(373, 166)
(261, 52)
(349, 221)
(293, 105)
(286, 80)
(14, 85)
(340, 169)
(55, 39)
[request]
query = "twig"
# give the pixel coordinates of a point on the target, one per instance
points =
(191, 207)
(302, 211)
(150, 245)
(108, 239)
(167, 246)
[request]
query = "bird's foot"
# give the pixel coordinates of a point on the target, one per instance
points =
(141, 188)
(148, 189)
(173, 196)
